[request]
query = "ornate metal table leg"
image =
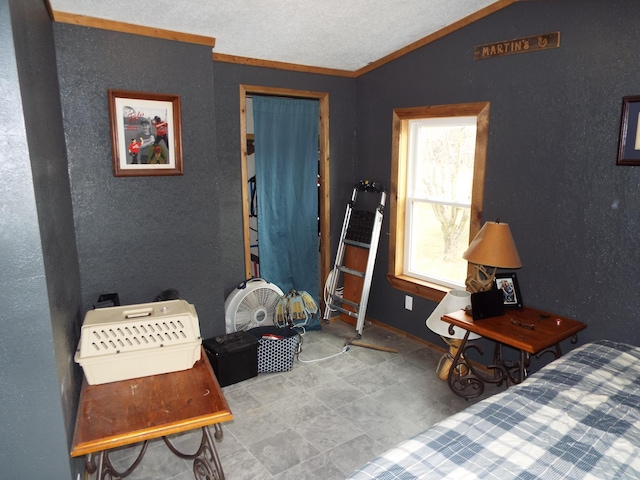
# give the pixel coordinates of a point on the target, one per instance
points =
(467, 386)
(471, 384)
(444, 365)
(105, 468)
(90, 464)
(498, 359)
(523, 371)
(206, 463)
(555, 351)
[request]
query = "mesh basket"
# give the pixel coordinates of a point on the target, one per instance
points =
(276, 348)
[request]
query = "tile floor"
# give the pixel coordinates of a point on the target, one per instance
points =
(322, 419)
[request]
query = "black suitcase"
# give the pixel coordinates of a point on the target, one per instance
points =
(234, 357)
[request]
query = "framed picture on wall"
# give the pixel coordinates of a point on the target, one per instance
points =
(508, 284)
(146, 133)
(629, 142)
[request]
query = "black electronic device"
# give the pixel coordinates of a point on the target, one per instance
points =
(487, 304)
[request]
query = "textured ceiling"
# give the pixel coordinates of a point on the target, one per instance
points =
(337, 34)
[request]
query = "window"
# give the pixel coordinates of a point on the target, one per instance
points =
(437, 184)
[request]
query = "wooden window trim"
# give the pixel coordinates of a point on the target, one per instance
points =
(401, 116)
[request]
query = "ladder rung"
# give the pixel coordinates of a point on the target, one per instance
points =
(360, 229)
(357, 244)
(344, 301)
(351, 271)
(344, 310)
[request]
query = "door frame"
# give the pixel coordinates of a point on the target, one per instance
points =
(323, 170)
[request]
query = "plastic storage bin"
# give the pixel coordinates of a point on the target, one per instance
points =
(234, 357)
(130, 341)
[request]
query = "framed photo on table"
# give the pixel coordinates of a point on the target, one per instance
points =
(146, 135)
(508, 284)
(629, 142)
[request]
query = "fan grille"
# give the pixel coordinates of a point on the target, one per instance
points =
(256, 309)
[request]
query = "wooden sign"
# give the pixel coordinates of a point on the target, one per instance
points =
(517, 45)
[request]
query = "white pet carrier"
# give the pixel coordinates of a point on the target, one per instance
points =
(131, 341)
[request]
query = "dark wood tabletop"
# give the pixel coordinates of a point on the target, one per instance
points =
(130, 411)
(526, 329)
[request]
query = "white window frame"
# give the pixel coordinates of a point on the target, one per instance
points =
(400, 206)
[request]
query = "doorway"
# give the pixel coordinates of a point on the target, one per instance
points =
(323, 171)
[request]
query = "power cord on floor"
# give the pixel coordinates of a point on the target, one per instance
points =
(345, 349)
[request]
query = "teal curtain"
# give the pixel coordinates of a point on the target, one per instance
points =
(286, 155)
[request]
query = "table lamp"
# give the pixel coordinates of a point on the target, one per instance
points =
(494, 247)
(452, 301)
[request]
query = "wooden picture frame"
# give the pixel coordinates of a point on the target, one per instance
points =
(629, 142)
(508, 283)
(146, 133)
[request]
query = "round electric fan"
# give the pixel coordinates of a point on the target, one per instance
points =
(252, 304)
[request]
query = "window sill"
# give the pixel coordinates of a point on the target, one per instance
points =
(420, 288)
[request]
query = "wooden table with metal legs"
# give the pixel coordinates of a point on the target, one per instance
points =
(531, 331)
(138, 410)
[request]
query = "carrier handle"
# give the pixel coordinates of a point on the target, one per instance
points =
(243, 285)
(138, 313)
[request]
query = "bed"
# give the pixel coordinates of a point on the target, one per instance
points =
(576, 418)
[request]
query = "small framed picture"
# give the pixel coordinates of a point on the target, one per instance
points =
(629, 141)
(146, 135)
(508, 284)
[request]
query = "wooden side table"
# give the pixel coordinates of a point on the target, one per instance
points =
(138, 410)
(531, 331)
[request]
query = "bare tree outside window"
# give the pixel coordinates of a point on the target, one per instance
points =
(441, 162)
(437, 188)
(449, 153)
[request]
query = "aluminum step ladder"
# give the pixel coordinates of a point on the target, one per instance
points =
(360, 228)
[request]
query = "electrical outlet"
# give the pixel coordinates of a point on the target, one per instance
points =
(408, 302)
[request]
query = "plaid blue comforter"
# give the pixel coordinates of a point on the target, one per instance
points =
(577, 418)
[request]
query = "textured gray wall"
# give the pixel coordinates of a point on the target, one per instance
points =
(551, 173)
(138, 236)
(39, 269)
